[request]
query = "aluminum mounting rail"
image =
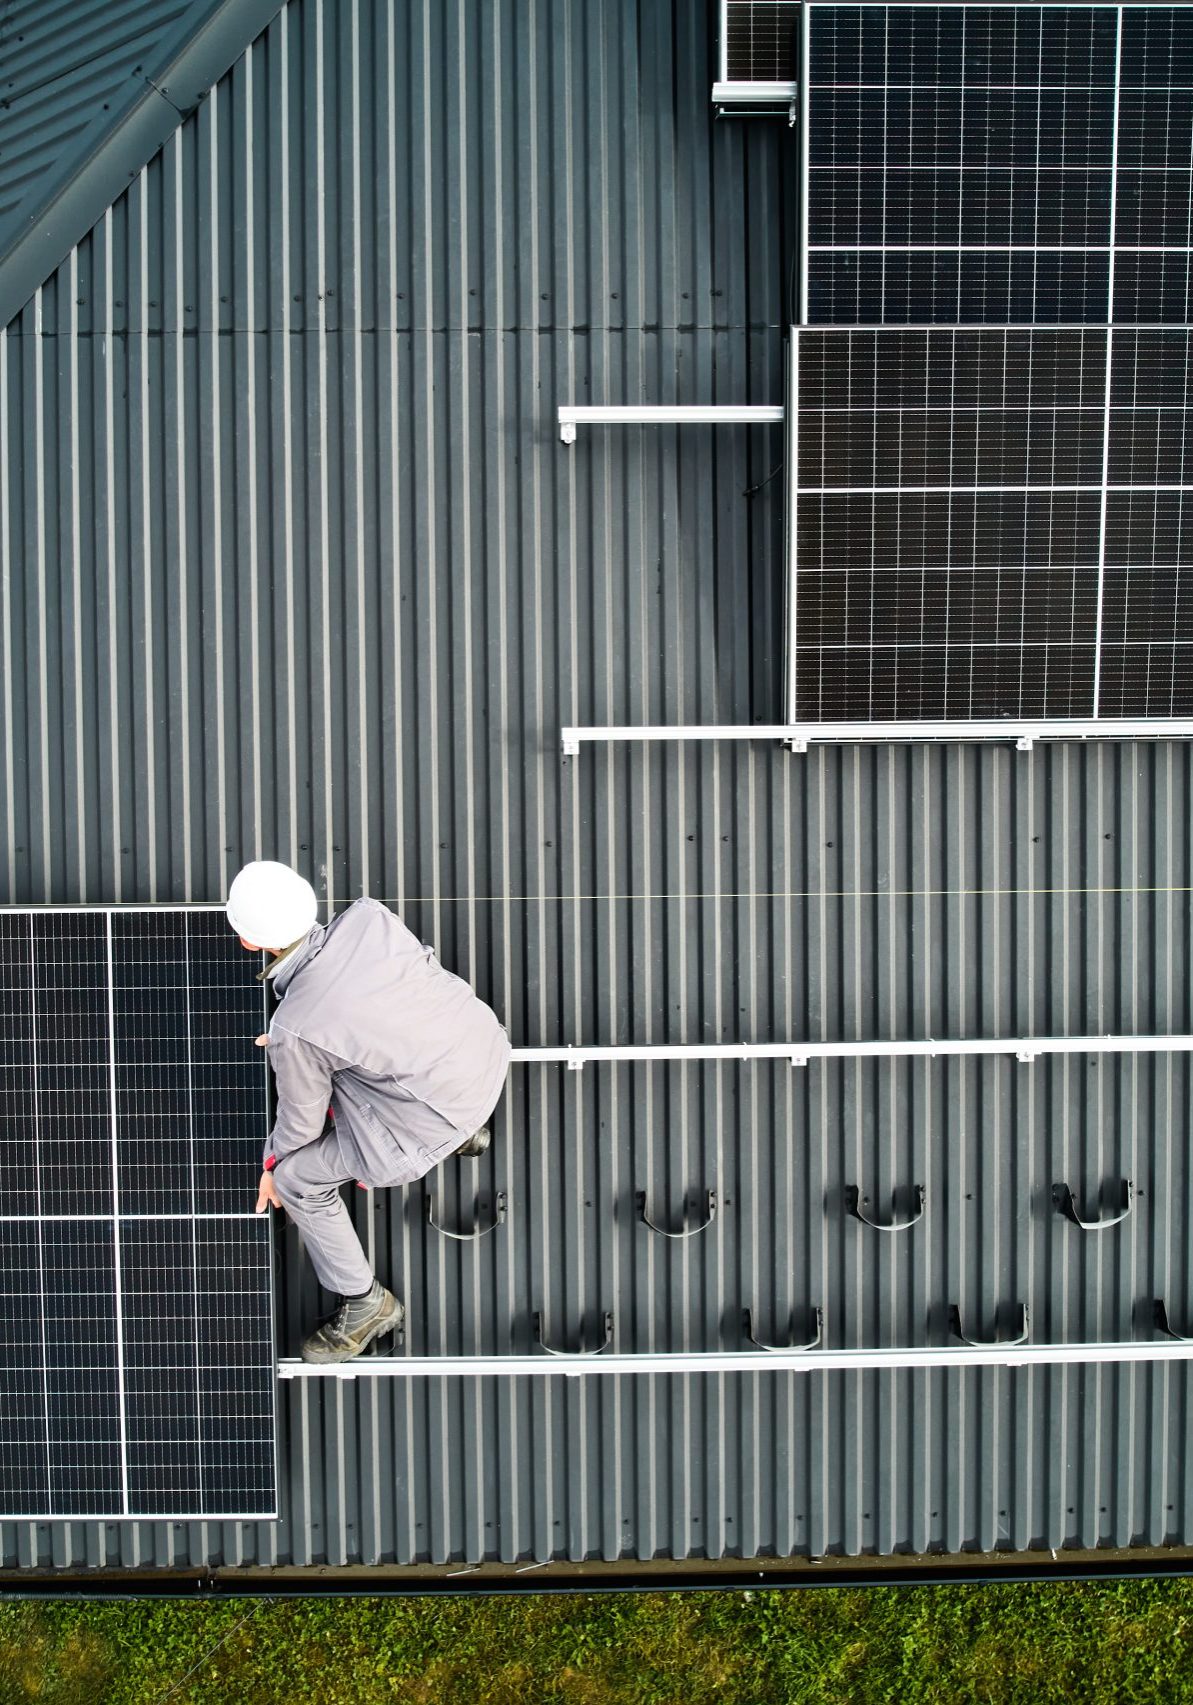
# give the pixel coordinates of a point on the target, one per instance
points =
(757, 99)
(577, 1366)
(665, 414)
(740, 92)
(1025, 1049)
(798, 736)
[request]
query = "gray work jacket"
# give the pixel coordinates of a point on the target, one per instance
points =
(370, 1021)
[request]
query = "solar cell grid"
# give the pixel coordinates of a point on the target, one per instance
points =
(979, 135)
(136, 1364)
(1157, 47)
(924, 206)
(236, 1364)
(957, 529)
(980, 526)
(967, 131)
(24, 1459)
(760, 40)
(69, 1043)
(226, 1077)
(995, 591)
(1154, 207)
(982, 45)
(82, 1369)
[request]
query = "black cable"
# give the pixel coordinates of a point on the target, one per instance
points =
(751, 490)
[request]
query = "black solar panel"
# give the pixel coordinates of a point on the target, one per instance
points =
(136, 1352)
(960, 163)
(760, 40)
(990, 521)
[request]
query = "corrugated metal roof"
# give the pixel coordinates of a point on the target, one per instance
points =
(292, 562)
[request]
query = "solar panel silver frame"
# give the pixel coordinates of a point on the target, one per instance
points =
(157, 1516)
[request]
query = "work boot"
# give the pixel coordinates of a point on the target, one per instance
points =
(476, 1145)
(354, 1325)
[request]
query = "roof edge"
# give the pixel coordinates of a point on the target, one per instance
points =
(625, 1574)
(110, 152)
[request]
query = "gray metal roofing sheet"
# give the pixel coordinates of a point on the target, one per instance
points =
(293, 563)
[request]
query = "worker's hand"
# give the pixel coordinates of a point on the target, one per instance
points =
(267, 1193)
(261, 1041)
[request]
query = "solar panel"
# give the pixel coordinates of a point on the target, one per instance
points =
(991, 445)
(759, 40)
(136, 1335)
(960, 163)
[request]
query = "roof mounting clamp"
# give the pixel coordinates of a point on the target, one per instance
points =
(571, 745)
(1160, 1318)
(958, 1331)
(710, 1214)
(1117, 1199)
(853, 1205)
(1025, 1057)
(478, 1230)
(817, 1316)
(582, 1350)
(1025, 743)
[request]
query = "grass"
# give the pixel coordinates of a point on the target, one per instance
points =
(1127, 1642)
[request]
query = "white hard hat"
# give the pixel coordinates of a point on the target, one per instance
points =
(270, 905)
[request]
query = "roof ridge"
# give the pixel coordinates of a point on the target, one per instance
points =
(148, 106)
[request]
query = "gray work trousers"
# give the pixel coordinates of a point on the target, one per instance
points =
(310, 1179)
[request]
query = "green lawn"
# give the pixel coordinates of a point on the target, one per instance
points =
(1033, 1643)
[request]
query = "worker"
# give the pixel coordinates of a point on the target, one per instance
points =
(385, 1065)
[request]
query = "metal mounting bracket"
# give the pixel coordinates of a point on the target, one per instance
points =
(797, 735)
(853, 1205)
(571, 415)
(607, 1325)
(478, 1230)
(710, 1212)
(1064, 1203)
(784, 1349)
(1024, 1048)
(1160, 1317)
(958, 1331)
